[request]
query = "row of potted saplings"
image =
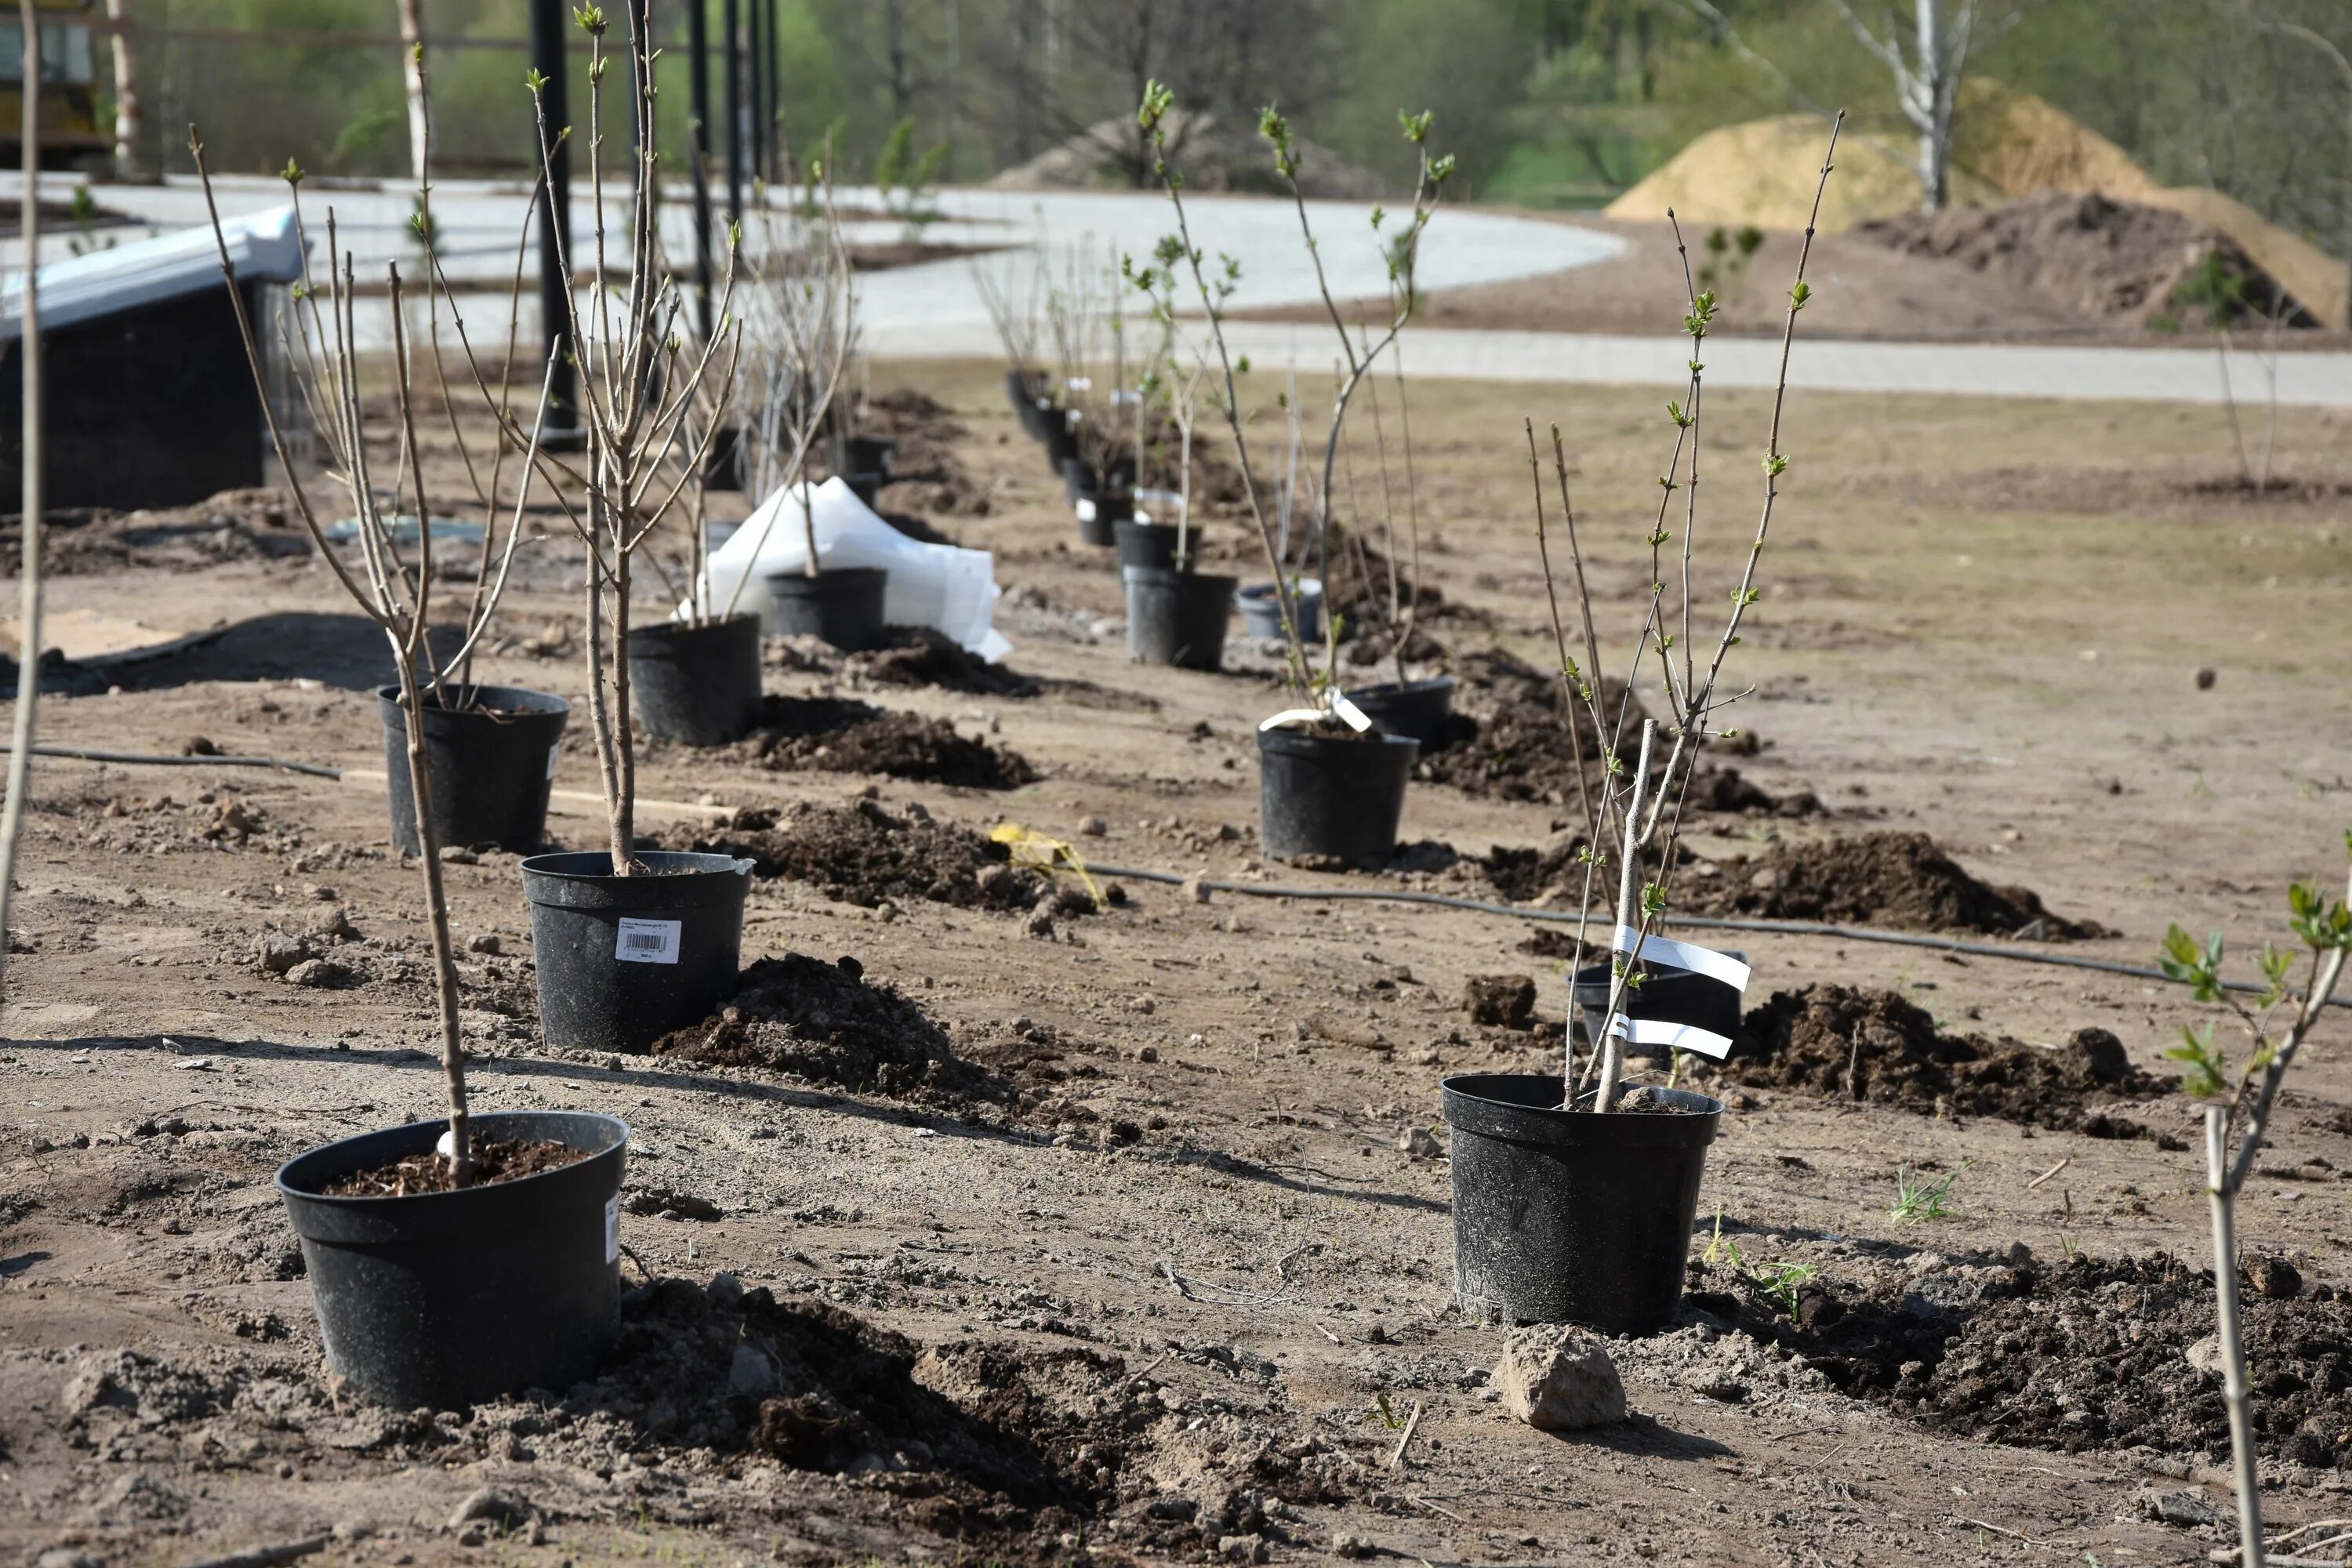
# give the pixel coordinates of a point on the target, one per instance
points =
(1316, 799)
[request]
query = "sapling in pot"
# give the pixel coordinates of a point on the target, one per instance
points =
(1012, 290)
(1331, 786)
(2237, 1108)
(630, 944)
(800, 332)
(453, 1261)
(1101, 476)
(1573, 1196)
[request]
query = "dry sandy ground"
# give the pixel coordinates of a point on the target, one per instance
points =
(1983, 620)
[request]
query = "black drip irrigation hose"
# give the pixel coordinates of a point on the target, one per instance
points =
(165, 759)
(1374, 895)
(1710, 922)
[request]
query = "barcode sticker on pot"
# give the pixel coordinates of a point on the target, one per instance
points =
(647, 942)
(554, 755)
(1086, 509)
(613, 1228)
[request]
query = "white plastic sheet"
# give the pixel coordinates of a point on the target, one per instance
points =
(950, 590)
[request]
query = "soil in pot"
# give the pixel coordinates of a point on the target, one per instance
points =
(1261, 613)
(1568, 1216)
(495, 1160)
(488, 766)
(624, 959)
(841, 605)
(1177, 617)
(439, 1299)
(839, 734)
(1421, 709)
(1099, 514)
(1332, 798)
(697, 684)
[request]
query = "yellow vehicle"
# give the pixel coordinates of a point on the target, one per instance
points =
(71, 135)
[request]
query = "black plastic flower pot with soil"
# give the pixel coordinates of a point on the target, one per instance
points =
(1177, 617)
(1421, 709)
(1667, 994)
(1080, 477)
(1099, 514)
(1567, 1216)
(490, 764)
(622, 960)
(1151, 544)
(841, 604)
(1021, 391)
(867, 455)
(1332, 798)
(440, 1300)
(696, 684)
(1262, 612)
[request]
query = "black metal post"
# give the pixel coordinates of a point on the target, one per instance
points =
(547, 22)
(774, 110)
(697, 35)
(730, 15)
(758, 52)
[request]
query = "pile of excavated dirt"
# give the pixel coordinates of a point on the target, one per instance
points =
(1875, 1047)
(1904, 881)
(861, 854)
(919, 656)
(823, 1021)
(2094, 1355)
(925, 459)
(234, 525)
(1214, 155)
(835, 734)
(2111, 262)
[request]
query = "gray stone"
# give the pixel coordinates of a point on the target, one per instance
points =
(279, 954)
(317, 973)
(490, 1506)
(1560, 1380)
(1419, 1143)
(2183, 1510)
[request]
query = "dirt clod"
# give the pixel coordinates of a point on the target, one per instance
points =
(862, 854)
(833, 734)
(1559, 1380)
(1502, 1001)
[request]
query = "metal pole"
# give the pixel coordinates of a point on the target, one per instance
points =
(697, 42)
(773, 109)
(729, 16)
(28, 461)
(757, 86)
(547, 40)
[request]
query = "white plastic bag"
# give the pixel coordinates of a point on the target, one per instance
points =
(950, 590)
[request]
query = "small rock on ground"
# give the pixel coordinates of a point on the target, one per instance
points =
(1560, 1380)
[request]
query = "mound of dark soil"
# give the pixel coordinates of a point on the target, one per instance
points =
(860, 854)
(2109, 261)
(823, 1021)
(2094, 1354)
(837, 735)
(1875, 1047)
(919, 656)
(1904, 881)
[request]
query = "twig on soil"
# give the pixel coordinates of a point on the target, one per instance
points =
(2050, 1173)
(1412, 1424)
(1433, 1508)
(1998, 1529)
(1184, 1288)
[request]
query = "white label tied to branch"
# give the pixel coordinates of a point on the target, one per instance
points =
(1685, 955)
(647, 942)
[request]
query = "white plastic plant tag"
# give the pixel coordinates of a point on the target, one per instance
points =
(1354, 717)
(1086, 509)
(1290, 716)
(1685, 955)
(1677, 1037)
(647, 942)
(613, 1228)
(554, 754)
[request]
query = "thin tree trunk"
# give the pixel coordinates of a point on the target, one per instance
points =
(2222, 1201)
(625, 755)
(436, 909)
(1936, 134)
(127, 107)
(411, 68)
(29, 652)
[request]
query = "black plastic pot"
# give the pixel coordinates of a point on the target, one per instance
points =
(1421, 709)
(1332, 796)
(1177, 617)
(866, 488)
(441, 1299)
(1021, 391)
(696, 684)
(841, 604)
(1569, 1218)
(1060, 441)
(867, 455)
(624, 959)
(1672, 995)
(1151, 544)
(488, 766)
(1099, 514)
(1080, 478)
(1262, 616)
